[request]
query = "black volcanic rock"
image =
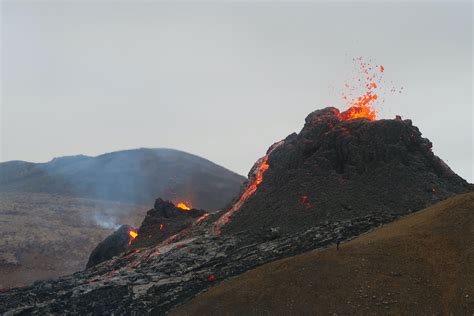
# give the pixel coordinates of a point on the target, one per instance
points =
(112, 246)
(164, 221)
(337, 169)
(133, 176)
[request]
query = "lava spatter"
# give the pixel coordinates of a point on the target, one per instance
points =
(361, 96)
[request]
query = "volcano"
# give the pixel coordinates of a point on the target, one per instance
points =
(338, 168)
(341, 176)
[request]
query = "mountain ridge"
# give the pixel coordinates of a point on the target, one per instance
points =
(131, 175)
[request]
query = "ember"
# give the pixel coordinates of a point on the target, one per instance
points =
(305, 201)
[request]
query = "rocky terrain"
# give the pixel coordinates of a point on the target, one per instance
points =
(422, 264)
(155, 279)
(45, 235)
(164, 221)
(135, 176)
(53, 214)
(334, 180)
(113, 245)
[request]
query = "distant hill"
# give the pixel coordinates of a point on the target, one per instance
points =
(134, 176)
(422, 264)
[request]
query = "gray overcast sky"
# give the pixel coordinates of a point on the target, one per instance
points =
(223, 80)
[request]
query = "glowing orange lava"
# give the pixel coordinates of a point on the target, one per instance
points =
(183, 206)
(251, 189)
(133, 234)
(362, 106)
(358, 112)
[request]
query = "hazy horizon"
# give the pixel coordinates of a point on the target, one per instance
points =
(224, 81)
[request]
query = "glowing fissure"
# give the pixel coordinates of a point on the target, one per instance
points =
(251, 189)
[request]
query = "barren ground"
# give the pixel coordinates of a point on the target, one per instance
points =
(44, 236)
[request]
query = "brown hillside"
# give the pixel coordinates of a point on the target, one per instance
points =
(422, 264)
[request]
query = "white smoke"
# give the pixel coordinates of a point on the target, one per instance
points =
(106, 221)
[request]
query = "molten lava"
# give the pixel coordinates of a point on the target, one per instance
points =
(251, 189)
(362, 106)
(183, 232)
(359, 112)
(183, 206)
(132, 234)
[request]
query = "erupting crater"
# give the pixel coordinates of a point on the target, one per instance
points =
(361, 94)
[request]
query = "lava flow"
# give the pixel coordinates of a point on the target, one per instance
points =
(251, 189)
(183, 206)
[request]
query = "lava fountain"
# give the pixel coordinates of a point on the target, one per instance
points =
(362, 104)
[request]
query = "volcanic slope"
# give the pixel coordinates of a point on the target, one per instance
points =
(337, 169)
(422, 264)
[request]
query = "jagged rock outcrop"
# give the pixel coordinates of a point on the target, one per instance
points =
(112, 246)
(334, 180)
(163, 221)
